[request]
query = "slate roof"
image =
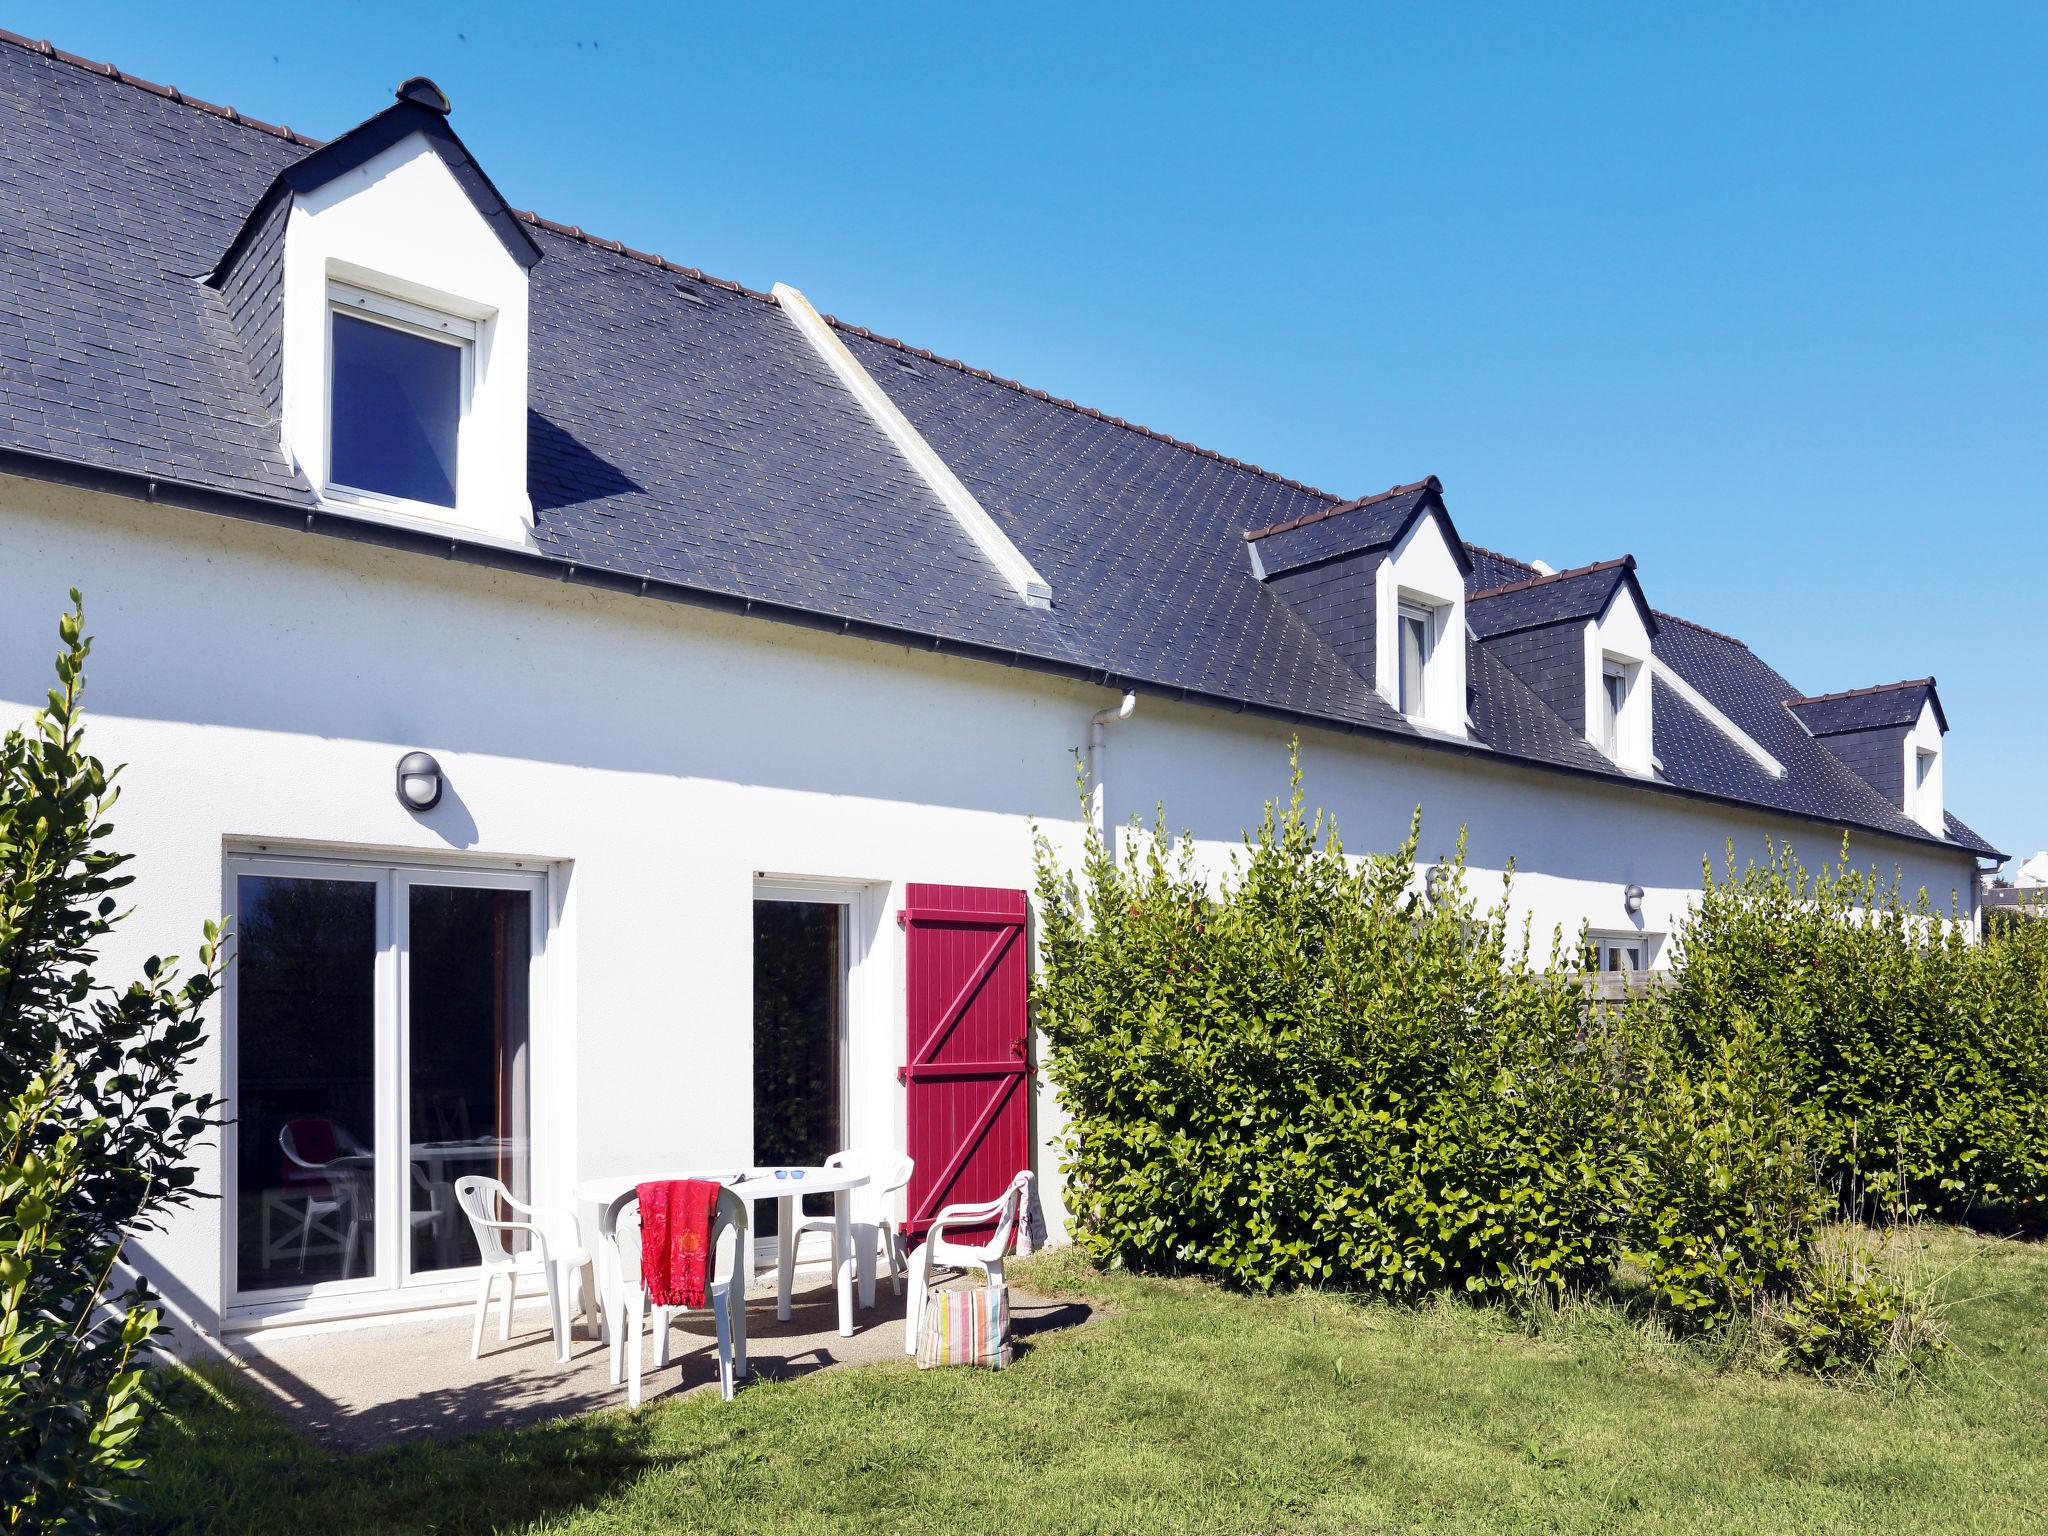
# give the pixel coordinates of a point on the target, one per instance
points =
(1349, 528)
(686, 441)
(1886, 707)
(1558, 598)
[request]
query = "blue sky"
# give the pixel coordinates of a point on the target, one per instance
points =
(1756, 295)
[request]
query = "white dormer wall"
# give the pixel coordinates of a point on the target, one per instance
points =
(399, 225)
(1620, 634)
(1422, 569)
(1924, 802)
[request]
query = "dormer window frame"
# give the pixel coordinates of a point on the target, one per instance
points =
(1615, 683)
(392, 235)
(443, 327)
(1415, 615)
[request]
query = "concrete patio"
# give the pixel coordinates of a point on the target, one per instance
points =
(366, 1387)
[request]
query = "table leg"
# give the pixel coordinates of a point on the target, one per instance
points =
(843, 1235)
(785, 1254)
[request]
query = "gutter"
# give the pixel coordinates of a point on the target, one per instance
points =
(247, 507)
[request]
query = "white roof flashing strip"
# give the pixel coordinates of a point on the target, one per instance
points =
(969, 513)
(1735, 733)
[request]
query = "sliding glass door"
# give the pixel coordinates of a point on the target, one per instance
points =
(381, 1043)
(466, 955)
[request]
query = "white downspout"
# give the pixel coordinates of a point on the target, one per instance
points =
(1098, 734)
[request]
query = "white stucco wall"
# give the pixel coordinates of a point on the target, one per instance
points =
(656, 759)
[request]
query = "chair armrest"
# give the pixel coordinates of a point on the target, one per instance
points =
(965, 1216)
(567, 1229)
(539, 1235)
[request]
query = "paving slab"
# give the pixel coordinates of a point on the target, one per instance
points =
(367, 1387)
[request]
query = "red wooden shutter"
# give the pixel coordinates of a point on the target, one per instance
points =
(968, 1103)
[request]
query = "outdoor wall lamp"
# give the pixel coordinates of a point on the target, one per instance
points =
(1433, 884)
(419, 781)
(1632, 899)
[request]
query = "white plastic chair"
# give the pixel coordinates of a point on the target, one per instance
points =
(872, 1224)
(557, 1253)
(725, 1293)
(940, 1252)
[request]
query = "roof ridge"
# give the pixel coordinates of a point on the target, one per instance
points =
(43, 47)
(618, 248)
(1857, 693)
(1426, 483)
(1702, 628)
(1628, 561)
(1494, 554)
(1075, 406)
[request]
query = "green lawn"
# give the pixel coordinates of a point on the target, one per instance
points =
(1184, 1408)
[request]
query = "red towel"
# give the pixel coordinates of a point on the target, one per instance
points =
(675, 1240)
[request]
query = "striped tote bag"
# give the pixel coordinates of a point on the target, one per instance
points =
(965, 1327)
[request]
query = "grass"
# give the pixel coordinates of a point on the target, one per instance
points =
(1186, 1408)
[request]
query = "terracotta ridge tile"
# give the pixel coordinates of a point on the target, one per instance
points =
(1543, 581)
(1858, 693)
(169, 92)
(1426, 483)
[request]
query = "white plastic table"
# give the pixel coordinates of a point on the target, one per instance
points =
(752, 1184)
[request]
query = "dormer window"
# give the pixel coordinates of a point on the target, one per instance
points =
(380, 284)
(1418, 626)
(399, 385)
(1926, 802)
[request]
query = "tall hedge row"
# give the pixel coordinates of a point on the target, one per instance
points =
(1325, 1069)
(1917, 1058)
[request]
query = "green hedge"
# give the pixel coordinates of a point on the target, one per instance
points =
(1917, 1059)
(1317, 1076)
(1313, 1072)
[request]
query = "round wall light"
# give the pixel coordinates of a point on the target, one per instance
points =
(1632, 899)
(1433, 884)
(419, 781)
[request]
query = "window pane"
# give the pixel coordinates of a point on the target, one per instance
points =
(305, 959)
(798, 967)
(397, 406)
(467, 1037)
(1414, 652)
(1616, 696)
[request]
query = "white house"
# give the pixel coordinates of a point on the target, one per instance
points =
(613, 705)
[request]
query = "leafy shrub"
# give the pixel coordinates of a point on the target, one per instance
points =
(1312, 1073)
(97, 1135)
(1723, 1201)
(1316, 1076)
(1916, 1060)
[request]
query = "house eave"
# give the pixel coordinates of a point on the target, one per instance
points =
(245, 507)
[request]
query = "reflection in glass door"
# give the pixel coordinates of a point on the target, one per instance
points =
(305, 951)
(467, 963)
(799, 1075)
(381, 1039)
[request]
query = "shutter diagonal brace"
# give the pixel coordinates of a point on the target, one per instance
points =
(957, 1008)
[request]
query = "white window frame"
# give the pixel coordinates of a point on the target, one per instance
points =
(388, 1286)
(1613, 710)
(1411, 608)
(416, 320)
(1643, 944)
